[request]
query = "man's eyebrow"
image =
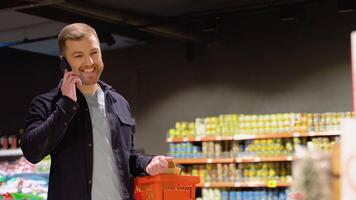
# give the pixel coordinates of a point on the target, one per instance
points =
(76, 52)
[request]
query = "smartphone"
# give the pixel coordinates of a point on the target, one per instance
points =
(64, 65)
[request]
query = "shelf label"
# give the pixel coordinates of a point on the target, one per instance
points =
(236, 137)
(237, 184)
(311, 133)
(209, 160)
(289, 158)
(185, 139)
(169, 139)
(251, 184)
(272, 183)
(296, 134)
(257, 159)
(218, 137)
(238, 159)
(206, 184)
(198, 139)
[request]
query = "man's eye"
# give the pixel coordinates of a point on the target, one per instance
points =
(94, 52)
(77, 56)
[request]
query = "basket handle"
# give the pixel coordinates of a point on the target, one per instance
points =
(172, 169)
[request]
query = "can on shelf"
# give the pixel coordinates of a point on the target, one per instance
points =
(4, 142)
(12, 141)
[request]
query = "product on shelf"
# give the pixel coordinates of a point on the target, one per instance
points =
(255, 194)
(248, 148)
(22, 180)
(242, 124)
(8, 142)
(26, 184)
(247, 156)
(17, 167)
(243, 172)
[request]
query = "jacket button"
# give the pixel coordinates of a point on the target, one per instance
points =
(86, 109)
(89, 182)
(90, 145)
(74, 108)
(65, 124)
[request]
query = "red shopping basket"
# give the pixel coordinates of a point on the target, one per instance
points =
(165, 187)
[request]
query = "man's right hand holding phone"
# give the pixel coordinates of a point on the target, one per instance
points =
(68, 88)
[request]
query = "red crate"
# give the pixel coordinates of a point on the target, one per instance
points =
(165, 187)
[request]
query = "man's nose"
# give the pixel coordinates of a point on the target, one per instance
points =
(89, 61)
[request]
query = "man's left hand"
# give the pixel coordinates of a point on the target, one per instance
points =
(157, 165)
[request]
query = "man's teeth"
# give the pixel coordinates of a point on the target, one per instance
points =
(89, 70)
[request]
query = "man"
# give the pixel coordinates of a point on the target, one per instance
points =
(86, 127)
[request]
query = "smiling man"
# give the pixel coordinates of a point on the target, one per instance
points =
(86, 127)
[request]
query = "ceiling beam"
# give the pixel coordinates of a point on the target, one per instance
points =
(61, 15)
(123, 22)
(11, 5)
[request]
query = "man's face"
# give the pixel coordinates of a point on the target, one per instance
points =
(84, 56)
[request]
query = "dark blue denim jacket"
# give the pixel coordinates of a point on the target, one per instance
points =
(60, 127)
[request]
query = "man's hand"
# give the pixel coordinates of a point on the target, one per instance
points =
(158, 164)
(70, 79)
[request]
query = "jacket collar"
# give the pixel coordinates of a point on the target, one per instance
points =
(103, 85)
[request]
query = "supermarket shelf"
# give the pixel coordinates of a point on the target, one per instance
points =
(270, 184)
(200, 139)
(264, 159)
(10, 152)
(250, 137)
(203, 160)
(231, 160)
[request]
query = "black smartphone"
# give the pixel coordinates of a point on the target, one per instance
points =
(64, 65)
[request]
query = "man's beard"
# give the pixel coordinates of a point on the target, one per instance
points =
(92, 80)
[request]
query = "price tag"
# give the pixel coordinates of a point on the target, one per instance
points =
(289, 158)
(237, 184)
(206, 184)
(238, 160)
(209, 160)
(218, 138)
(198, 139)
(185, 139)
(311, 133)
(272, 183)
(236, 137)
(251, 184)
(169, 139)
(296, 134)
(258, 159)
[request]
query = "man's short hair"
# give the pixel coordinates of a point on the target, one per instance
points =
(76, 31)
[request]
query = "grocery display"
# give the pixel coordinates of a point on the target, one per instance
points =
(8, 142)
(242, 124)
(255, 194)
(19, 179)
(247, 148)
(248, 156)
(23, 180)
(243, 172)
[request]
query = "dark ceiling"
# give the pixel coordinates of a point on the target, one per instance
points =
(186, 20)
(139, 19)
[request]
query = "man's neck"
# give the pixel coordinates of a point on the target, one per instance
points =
(88, 89)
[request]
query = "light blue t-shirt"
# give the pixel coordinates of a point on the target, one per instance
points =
(106, 183)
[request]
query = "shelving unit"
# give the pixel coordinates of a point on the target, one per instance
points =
(11, 153)
(247, 156)
(26, 172)
(233, 160)
(252, 137)
(243, 185)
(258, 184)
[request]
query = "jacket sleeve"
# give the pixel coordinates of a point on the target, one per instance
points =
(44, 131)
(139, 162)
